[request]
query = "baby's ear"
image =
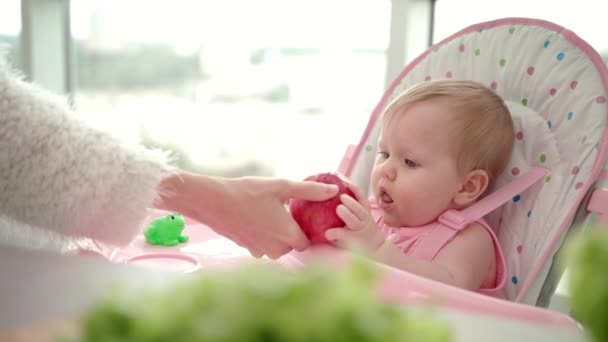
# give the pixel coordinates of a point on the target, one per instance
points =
(474, 185)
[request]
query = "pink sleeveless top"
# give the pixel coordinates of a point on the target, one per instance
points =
(426, 241)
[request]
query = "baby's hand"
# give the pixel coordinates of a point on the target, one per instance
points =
(360, 230)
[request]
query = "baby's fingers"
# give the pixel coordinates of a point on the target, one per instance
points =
(351, 220)
(359, 195)
(338, 236)
(359, 212)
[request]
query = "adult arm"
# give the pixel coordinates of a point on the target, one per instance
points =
(58, 174)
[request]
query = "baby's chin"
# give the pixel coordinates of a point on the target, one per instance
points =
(392, 221)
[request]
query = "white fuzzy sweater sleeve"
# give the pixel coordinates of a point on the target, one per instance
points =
(62, 176)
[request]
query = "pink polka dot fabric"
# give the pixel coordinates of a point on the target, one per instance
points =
(556, 90)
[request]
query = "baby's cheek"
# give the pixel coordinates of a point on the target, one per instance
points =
(412, 192)
(419, 206)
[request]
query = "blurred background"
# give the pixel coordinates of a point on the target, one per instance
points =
(245, 87)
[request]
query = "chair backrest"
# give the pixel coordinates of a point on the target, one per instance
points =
(555, 85)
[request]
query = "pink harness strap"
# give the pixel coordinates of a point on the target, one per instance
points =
(453, 221)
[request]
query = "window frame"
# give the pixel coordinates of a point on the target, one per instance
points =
(46, 26)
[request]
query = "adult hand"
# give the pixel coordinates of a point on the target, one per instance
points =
(250, 211)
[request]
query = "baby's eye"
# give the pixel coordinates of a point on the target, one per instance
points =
(410, 163)
(382, 155)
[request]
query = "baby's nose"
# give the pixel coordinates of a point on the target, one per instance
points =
(389, 172)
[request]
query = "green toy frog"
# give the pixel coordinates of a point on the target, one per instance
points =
(166, 231)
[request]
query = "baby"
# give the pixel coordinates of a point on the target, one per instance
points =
(441, 145)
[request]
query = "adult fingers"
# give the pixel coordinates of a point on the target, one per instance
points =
(258, 247)
(309, 190)
(255, 253)
(278, 250)
(294, 236)
(255, 247)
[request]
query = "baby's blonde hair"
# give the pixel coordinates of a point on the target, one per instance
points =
(484, 124)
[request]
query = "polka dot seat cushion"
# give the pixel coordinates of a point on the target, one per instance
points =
(555, 86)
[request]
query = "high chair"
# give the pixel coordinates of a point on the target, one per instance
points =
(555, 85)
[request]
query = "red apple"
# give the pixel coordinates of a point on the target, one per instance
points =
(315, 217)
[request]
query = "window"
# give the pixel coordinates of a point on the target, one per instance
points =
(233, 87)
(10, 27)
(583, 17)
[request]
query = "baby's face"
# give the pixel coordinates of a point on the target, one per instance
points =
(415, 176)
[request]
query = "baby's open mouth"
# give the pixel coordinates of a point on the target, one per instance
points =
(385, 197)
